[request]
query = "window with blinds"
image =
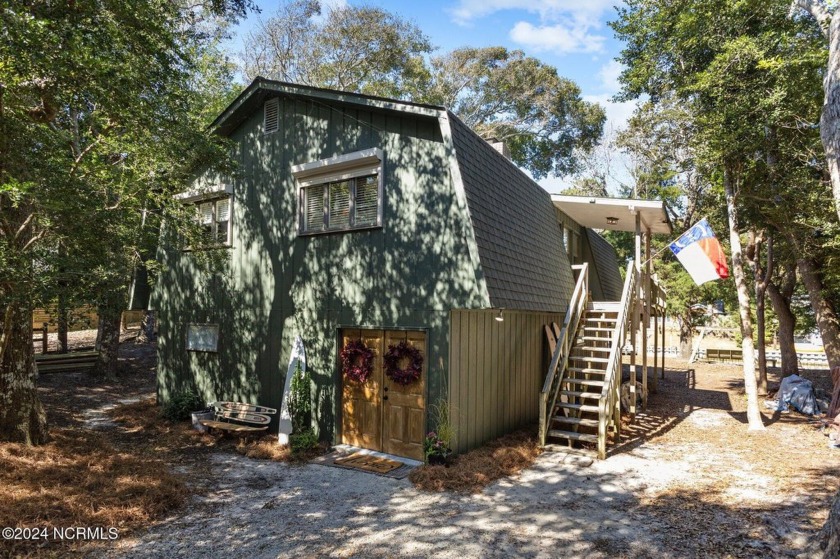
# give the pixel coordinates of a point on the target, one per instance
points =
(214, 219)
(341, 205)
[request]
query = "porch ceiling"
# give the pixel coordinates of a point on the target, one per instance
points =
(615, 214)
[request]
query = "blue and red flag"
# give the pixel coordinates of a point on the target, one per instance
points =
(699, 251)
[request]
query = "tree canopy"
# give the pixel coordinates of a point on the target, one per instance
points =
(100, 123)
(500, 93)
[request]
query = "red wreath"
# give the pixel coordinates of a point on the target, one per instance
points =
(395, 355)
(357, 361)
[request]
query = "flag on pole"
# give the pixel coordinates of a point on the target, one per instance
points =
(699, 251)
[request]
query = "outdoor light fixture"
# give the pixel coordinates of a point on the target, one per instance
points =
(612, 220)
(499, 317)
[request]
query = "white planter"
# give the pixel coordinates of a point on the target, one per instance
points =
(197, 416)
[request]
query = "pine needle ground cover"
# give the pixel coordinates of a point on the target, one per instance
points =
(472, 471)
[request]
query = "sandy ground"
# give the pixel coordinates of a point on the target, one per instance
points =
(687, 480)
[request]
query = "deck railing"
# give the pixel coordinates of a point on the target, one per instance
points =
(560, 356)
(609, 404)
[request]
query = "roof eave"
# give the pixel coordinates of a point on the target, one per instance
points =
(260, 84)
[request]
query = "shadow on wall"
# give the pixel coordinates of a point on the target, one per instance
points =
(273, 285)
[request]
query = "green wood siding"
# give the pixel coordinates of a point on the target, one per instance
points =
(496, 371)
(273, 285)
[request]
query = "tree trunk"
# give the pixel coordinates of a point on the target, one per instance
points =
(147, 328)
(761, 377)
(686, 335)
(62, 308)
(747, 348)
(761, 279)
(109, 342)
(830, 117)
(828, 540)
(62, 326)
(22, 417)
(787, 328)
(823, 309)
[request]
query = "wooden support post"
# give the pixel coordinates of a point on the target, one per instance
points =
(647, 302)
(654, 382)
(664, 317)
(634, 323)
(44, 338)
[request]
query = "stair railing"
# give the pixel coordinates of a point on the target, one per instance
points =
(560, 357)
(609, 404)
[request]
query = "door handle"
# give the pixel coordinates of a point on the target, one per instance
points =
(385, 389)
(384, 397)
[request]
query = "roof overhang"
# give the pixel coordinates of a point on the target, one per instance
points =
(253, 96)
(615, 214)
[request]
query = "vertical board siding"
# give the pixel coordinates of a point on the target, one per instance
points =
(496, 370)
(274, 285)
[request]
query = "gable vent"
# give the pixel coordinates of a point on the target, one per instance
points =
(271, 119)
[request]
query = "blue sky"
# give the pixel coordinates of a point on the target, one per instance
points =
(571, 35)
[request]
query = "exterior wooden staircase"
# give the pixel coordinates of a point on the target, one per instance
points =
(576, 415)
(580, 400)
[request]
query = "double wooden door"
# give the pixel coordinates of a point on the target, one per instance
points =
(381, 414)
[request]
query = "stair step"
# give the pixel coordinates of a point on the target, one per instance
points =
(581, 395)
(601, 319)
(584, 382)
(592, 359)
(579, 407)
(588, 329)
(573, 436)
(575, 421)
(592, 348)
(587, 370)
(596, 338)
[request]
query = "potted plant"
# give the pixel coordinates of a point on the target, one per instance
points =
(437, 445)
(436, 449)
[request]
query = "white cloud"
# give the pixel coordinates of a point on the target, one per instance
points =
(564, 26)
(618, 113)
(468, 10)
(560, 38)
(609, 74)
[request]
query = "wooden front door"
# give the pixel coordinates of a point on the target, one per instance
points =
(381, 414)
(361, 404)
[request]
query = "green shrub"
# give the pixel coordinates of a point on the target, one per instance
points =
(300, 401)
(181, 405)
(302, 441)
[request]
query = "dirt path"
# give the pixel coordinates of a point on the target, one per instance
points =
(687, 481)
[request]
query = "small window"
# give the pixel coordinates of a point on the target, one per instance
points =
(203, 337)
(340, 193)
(214, 218)
(271, 116)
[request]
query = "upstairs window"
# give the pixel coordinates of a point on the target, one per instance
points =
(341, 193)
(213, 211)
(214, 218)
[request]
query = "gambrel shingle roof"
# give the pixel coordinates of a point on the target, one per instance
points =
(520, 243)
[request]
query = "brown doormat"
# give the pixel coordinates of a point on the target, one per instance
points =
(369, 463)
(339, 459)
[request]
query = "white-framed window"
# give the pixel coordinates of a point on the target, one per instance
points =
(341, 193)
(203, 337)
(214, 218)
(214, 214)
